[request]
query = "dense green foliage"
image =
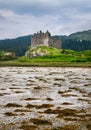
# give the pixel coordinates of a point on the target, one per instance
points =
(75, 44)
(78, 41)
(5, 56)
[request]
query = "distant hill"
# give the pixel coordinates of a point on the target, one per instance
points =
(84, 35)
(77, 41)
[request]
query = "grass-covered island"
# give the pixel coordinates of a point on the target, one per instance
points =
(45, 56)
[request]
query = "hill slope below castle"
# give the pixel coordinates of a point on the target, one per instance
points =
(46, 54)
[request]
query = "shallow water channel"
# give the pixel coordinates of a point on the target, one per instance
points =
(40, 98)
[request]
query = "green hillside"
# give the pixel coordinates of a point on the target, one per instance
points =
(46, 54)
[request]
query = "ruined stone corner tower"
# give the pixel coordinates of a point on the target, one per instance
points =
(45, 39)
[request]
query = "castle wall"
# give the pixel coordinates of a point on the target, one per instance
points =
(55, 43)
(39, 42)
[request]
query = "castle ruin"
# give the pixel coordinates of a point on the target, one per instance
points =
(45, 39)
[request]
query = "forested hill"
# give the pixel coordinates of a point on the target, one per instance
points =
(18, 45)
(85, 35)
(77, 41)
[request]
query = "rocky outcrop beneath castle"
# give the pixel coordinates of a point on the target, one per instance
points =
(37, 51)
(40, 51)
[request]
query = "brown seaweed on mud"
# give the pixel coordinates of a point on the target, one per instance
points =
(30, 99)
(22, 110)
(49, 99)
(28, 127)
(39, 121)
(39, 106)
(64, 112)
(12, 105)
(10, 114)
(67, 127)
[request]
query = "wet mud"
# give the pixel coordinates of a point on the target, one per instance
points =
(40, 98)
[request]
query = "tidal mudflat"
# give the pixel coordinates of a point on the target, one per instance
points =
(40, 98)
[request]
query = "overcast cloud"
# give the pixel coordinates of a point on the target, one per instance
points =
(24, 17)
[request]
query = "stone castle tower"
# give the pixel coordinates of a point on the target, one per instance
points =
(45, 39)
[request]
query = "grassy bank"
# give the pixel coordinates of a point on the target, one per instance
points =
(45, 64)
(51, 57)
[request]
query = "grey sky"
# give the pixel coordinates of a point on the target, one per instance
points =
(23, 17)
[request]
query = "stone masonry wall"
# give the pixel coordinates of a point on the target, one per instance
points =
(55, 43)
(39, 42)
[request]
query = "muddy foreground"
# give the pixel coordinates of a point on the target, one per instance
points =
(33, 98)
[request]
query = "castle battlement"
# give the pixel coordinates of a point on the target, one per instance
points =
(45, 39)
(41, 34)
